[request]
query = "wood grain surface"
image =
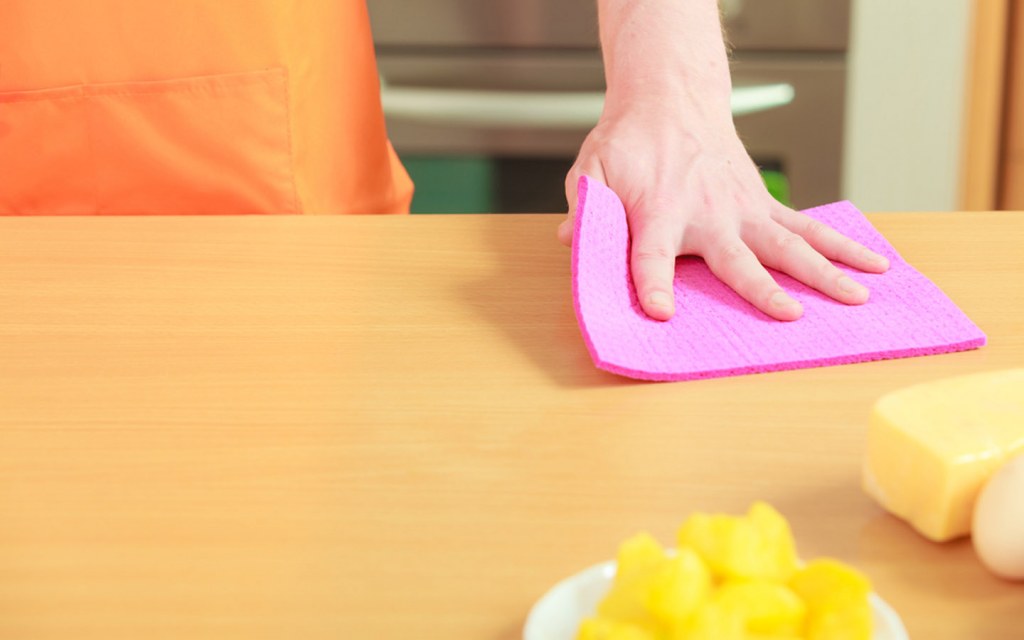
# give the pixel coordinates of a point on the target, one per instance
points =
(384, 428)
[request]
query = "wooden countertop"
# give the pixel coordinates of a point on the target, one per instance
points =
(376, 428)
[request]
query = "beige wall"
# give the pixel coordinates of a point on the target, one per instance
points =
(905, 104)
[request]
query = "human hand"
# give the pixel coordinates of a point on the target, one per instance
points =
(693, 190)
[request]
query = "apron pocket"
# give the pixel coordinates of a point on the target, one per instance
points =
(205, 145)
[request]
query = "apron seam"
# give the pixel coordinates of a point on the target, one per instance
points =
(296, 203)
(93, 169)
(187, 84)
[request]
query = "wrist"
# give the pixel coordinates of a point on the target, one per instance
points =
(687, 106)
(666, 54)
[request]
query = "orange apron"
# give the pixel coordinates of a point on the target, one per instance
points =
(192, 106)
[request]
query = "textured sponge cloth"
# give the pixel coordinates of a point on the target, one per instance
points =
(717, 333)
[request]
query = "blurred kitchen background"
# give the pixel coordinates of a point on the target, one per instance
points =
(894, 105)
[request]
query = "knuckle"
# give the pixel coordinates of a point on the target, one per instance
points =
(652, 221)
(826, 270)
(815, 230)
(653, 252)
(787, 242)
(781, 214)
(764, 293)
(657, 204)
(654, 227)
(732, 253)
(757, 285)
(851, 248)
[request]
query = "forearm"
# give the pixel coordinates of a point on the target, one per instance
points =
(665, 54)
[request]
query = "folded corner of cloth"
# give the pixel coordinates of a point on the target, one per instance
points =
(716, 333)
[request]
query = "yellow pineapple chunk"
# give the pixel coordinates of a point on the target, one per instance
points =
(680, 587)
(837, 601)
(767, 608)
(758, 546)
(711, 622)
(639, 553)
(605, 629)
(639, 561)
(733, 578)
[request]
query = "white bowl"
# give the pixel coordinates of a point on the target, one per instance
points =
(558, 614)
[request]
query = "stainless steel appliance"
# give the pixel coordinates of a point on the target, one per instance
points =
(520, 56)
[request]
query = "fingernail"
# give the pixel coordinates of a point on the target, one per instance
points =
(848, 285)
(780, 299)
(876, 258)
(660, 299)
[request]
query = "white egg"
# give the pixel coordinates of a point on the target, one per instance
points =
(998, 527)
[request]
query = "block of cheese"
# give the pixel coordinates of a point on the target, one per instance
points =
(932, 446)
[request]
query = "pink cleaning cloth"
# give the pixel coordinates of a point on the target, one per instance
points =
(716, 333)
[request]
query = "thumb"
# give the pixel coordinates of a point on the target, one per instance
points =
(590, 167)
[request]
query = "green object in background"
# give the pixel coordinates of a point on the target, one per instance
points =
(777, 185)
(451, 185)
